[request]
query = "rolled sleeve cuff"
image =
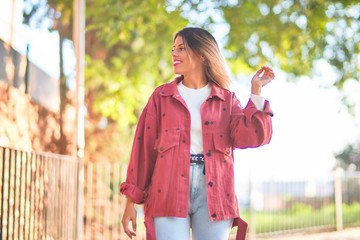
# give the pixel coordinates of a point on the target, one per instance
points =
(135, 194)
(251, 109)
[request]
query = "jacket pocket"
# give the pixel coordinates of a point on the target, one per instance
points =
(167, 140)
(222, 143)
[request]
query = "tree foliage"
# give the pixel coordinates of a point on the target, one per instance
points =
(288, 34)
(128, 55)
(128, 46)
(349, 158)
(293, 34)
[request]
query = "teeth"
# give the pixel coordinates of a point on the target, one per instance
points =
(176, 62)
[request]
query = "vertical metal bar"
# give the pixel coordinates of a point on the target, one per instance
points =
(75, 177)
(51, 198)
(35, 198)
(252, 230)
(46, 200)
(20, 193)
(8, 199)
(2, 191)
(57, 200)
(61, 200)
(67, 202)
(42, 200)
(99, 199)
(27, 195)
(14, 206)
(107, 199)
(88, 203)
(115, 198)
(71, 216)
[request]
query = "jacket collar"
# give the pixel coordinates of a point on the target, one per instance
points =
(170, 89)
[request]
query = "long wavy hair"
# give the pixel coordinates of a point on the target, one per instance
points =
(204, 44)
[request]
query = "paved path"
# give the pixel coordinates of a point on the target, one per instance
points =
(346, 234)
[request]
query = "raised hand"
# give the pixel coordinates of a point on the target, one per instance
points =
(262, 77)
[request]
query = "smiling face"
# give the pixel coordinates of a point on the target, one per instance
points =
(185, 61)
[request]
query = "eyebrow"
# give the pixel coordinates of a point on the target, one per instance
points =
(179, 45)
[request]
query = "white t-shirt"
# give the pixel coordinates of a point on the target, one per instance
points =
(193, 99)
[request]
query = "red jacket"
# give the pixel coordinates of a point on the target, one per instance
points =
(158, 172)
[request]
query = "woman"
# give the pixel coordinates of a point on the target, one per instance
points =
(181, 165)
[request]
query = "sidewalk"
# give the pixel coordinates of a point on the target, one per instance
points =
(346, 234)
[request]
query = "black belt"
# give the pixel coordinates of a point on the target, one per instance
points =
(197, 158)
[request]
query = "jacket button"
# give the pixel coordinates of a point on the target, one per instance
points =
(210, 184)
(161, 149)
(213, 215)
(208, 154)
(207, 123)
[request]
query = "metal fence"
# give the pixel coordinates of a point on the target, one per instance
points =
(104, 205)
(329, 203)
(38, 195)
(277, 206)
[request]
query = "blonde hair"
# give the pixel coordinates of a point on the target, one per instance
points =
(204, 44)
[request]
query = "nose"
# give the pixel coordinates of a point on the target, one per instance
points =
(174, 53)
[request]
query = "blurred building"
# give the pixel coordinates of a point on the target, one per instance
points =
(29, 84)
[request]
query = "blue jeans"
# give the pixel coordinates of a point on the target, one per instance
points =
(174, 228)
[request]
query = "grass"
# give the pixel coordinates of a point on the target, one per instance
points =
(302, 216)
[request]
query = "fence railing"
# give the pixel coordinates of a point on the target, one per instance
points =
(38, 195)
(104, 205)
(330, 203)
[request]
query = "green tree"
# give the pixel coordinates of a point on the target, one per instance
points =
(349, 158)
(128, 47)
(293, 34)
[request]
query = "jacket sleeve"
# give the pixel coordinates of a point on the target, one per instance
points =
(250, 127)
(143, 155)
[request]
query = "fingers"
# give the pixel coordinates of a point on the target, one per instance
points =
(129, 232)
(134, 227)
(266, 72)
